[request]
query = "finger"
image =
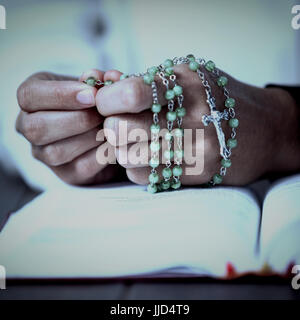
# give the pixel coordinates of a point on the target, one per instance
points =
(50, 76)
(131, 128)
(66, 150)
(35, 94)
(137, 155)
(130, 95)
(127, 128)
(109, 174)
(140, 176)
(134, 155)
(45, 127)
(113, 75)
(83, 169)
(95, 73)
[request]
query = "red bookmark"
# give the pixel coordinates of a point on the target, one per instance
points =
(230, 271)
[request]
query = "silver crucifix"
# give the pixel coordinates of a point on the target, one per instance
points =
(215, 117)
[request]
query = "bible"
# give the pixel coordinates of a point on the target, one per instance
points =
(119, 230)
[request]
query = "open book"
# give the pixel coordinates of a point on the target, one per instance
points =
(121, 230)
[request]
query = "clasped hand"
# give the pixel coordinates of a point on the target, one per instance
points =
(61, 117)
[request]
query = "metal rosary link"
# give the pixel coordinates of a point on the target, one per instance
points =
(178, 132)
(155, 144)
(154, 133)
(168, 136)
(215, 116)
(231, 111)
(166, 73)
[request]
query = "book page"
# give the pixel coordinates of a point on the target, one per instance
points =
(280, 231)
(121, 230)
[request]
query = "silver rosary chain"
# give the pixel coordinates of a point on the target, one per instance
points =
(215, 115)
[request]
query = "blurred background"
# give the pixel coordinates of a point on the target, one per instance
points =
(251, 40)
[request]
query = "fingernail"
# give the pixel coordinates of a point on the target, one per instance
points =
(86, 97)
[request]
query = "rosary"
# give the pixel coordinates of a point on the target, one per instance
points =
(174, 153)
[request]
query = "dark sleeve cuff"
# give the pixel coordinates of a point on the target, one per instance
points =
(294, 91)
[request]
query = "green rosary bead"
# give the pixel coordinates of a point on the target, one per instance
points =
(226, 163)
(178, 132)
(171, 116)
(191, 57)
(217, 178)
(231, 143)
(177, 90)
(108, 82)
(168, 136)
(167, 173)
(230, 103)
(152, 188)
(193, 65)
(181, 112)
(177, 171)
(123, 76)
(152, 71)
(156, 108)
(171, 175)
(168, 63)
(153, 178)
(169, 71)
(148, 78)
(176, 185)
(233, 123)
(154, 146)
(170, 94)
(169, 154)
(165, 185)
(222, 81)
(210, 65)
(91, 81)
(179, 154)
(154, 163)
(155, 128)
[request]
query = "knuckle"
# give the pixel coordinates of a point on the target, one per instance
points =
(131, 175)
(111, 123)
(18, 122)
(58, 94)
(69, 179)
(82, 170)
(135, 176)
(86, 119)
(194, 115)
(24, 96)
(34, 129)
(210, 146)
(132, 96)
(111, 130)
(52, 155)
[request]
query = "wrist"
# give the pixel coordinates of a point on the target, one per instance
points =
(287, 130)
